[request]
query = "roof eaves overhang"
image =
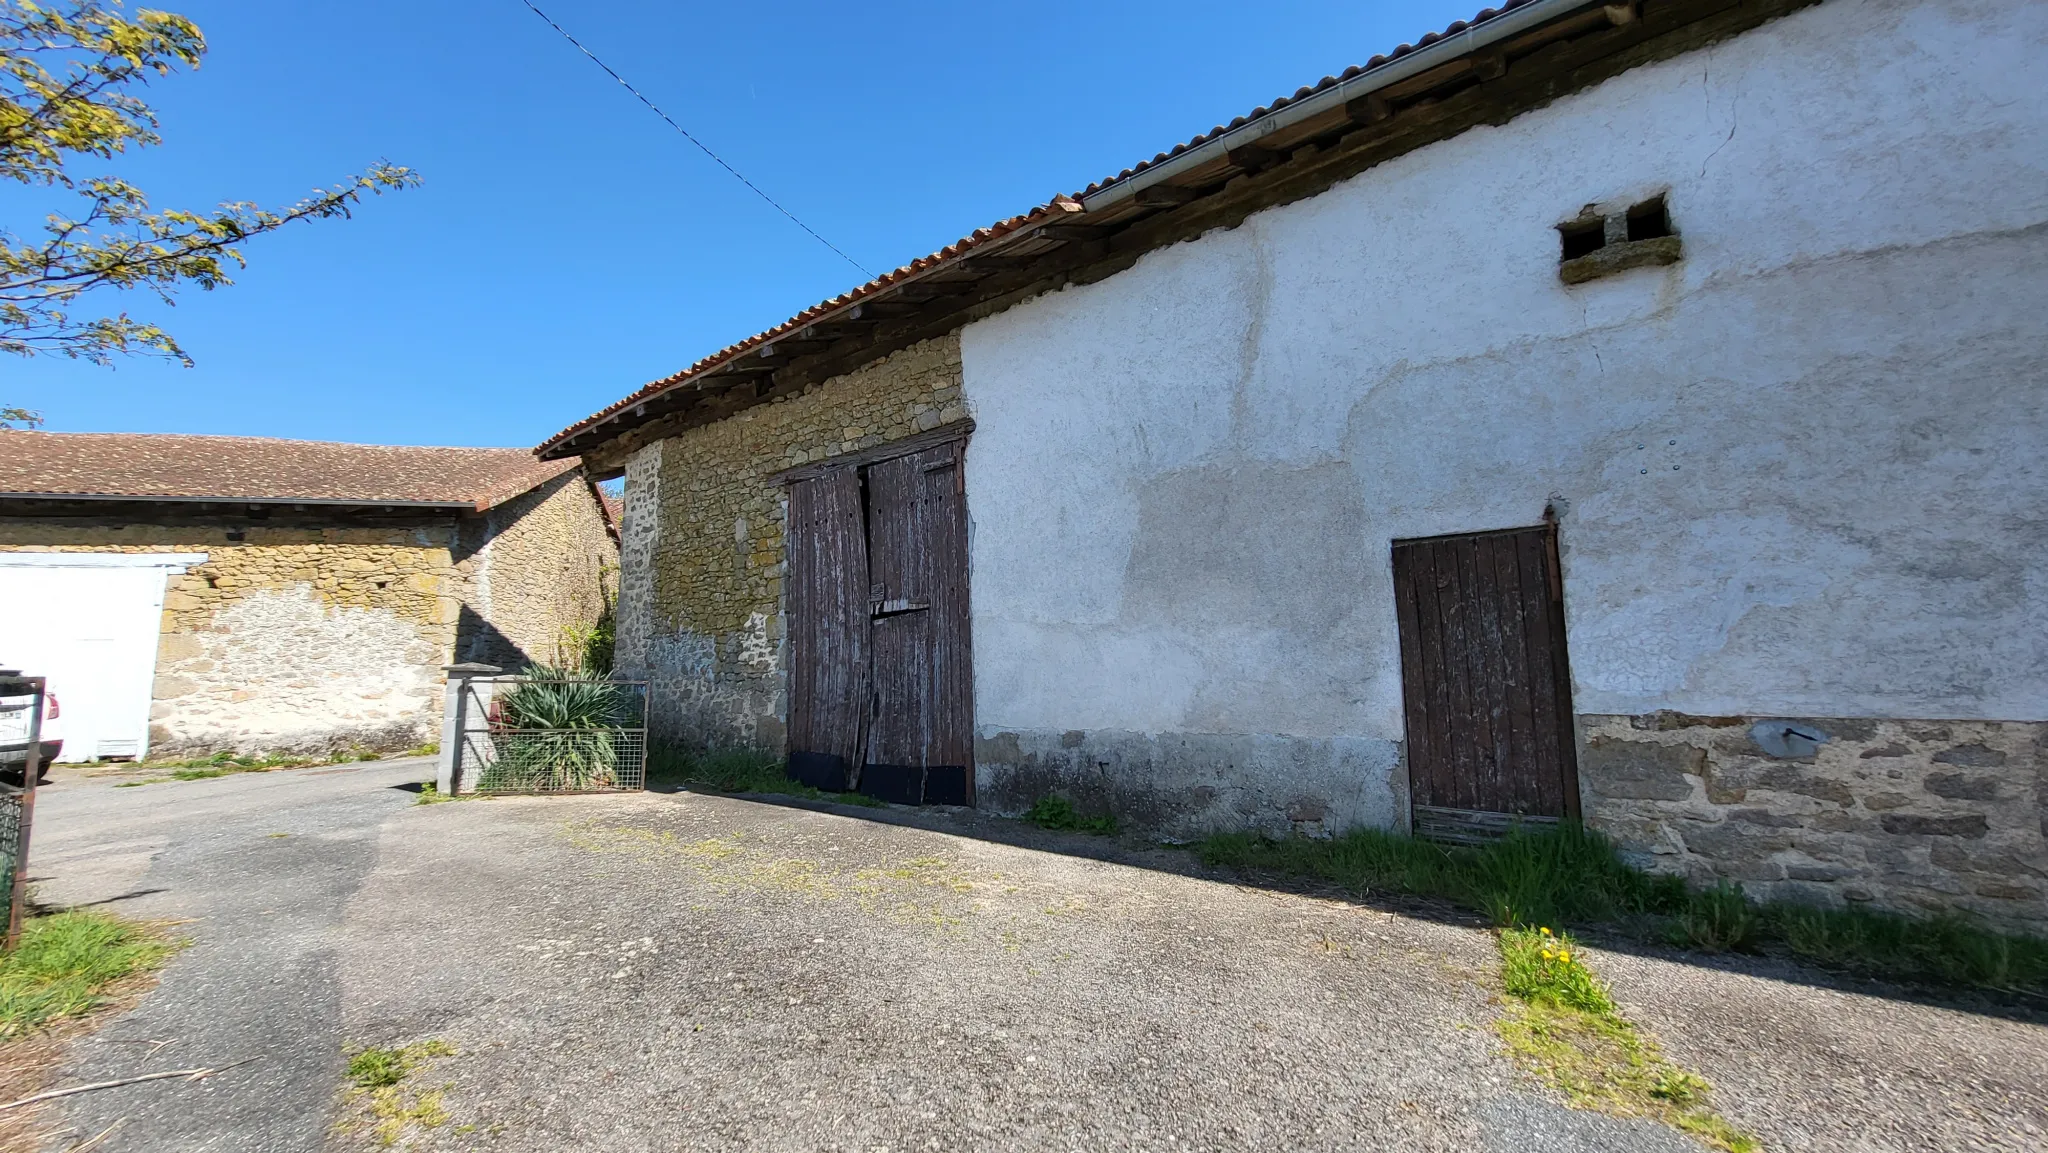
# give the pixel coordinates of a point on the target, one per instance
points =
(351, 502)
(1470, 39)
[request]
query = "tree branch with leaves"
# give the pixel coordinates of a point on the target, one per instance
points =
(67, 75)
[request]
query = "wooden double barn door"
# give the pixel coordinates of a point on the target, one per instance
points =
(1486, 686)
(881, 690)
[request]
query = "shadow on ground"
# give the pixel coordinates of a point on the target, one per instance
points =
(1179, 860)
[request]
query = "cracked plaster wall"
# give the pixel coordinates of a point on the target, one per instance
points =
(1800, 472)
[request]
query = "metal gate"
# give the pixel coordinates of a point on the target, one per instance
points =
(1485, 683)
(530, 734)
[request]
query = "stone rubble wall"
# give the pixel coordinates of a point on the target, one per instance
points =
(701, 613)
(313, 639)
(542, 569)
(1910, 816)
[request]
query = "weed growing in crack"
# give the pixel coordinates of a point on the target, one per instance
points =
(377, 1078)
(1563, 1026)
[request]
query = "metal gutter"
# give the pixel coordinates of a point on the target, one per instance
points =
(1421, 60)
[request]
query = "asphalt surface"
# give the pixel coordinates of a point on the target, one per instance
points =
(264, 915)
(691, 972)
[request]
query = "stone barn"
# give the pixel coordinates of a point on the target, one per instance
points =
(1623, 412)
(189, 594)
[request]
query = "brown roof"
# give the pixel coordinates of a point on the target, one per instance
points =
(254, 468)
(1381, 90)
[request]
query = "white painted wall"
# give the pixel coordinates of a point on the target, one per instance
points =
(88, 622)
(1184, 478)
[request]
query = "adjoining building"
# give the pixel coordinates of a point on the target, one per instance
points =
(197, 593)
(1621, 411)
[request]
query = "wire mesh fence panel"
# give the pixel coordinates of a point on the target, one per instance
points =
(10, 837)
(532, 735)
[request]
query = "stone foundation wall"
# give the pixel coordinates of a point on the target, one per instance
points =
(1911, 816)
(700, 608)
(1182, 786)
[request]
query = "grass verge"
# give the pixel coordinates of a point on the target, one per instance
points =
(736, 771)
(381, 1101)
(66, 964)
(227, 763)
(1562, 1025)
(1571, 876)
(1054, 812)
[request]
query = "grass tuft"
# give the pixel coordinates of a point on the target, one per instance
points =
(66, 962)
(736, 770)
(1055, 812)
(1571, 876)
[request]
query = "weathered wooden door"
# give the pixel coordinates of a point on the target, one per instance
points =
(881, 676)
(1486, 687)
(917, 568)
(829, 689)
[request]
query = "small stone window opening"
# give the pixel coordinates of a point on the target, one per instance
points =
(237, 534)
(1649, 220)
(383, 584)
(1582, 237)
(1603, 241)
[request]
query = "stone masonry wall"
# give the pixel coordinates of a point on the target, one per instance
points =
(311, 638)
(296, 638)
(1911, 816)
(701, 592)
(542, 572)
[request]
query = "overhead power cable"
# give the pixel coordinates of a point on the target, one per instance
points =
(736, 175)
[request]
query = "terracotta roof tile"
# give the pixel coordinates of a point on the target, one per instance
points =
(262, 469)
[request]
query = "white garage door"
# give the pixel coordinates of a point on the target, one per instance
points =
(89, 623)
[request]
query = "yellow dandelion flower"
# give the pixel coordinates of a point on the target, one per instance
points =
(1565, 957)
(1543, 930)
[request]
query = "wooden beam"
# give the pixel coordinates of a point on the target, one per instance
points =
(1254, 158)
(1164, 196)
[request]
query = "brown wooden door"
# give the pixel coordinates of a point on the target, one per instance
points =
(829, 688)
(1486, 687)
(917, 567)
(881, 674)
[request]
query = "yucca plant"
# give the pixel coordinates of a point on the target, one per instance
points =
(554, 730)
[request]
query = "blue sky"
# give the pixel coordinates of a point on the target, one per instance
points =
(567, 246)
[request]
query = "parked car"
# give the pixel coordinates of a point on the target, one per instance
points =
(14, 717)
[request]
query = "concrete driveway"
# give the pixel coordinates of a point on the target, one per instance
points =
(663, 972)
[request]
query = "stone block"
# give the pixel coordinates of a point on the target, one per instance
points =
(172, 646)
(1639, 770)
(170, 688)
(1729, 842)
(1963, 786)
(1881, 802)
(1976, 756)
(1906, 825)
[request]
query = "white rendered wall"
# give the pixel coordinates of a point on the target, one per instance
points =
(1184, 478)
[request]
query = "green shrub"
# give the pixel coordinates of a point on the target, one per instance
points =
(555, 730)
